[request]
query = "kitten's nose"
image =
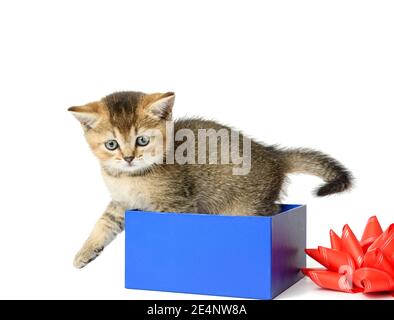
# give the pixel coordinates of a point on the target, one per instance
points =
(128, 159)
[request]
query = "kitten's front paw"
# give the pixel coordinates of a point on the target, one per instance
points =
(86, 255)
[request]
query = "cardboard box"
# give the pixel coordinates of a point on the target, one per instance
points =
(245, 257)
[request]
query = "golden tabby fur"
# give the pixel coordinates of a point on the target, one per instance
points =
(112, 127)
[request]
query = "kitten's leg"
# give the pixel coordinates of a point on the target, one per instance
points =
(270, 194)
(107, 227)
(268, 209)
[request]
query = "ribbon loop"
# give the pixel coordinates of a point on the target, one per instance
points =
(336, 242)
(371, 232)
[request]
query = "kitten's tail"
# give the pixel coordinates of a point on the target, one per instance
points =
(336, 176)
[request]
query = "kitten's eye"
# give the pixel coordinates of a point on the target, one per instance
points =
(142, 141)
(111, 145)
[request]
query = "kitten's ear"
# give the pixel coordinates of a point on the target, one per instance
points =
(88, 115)
(161, 108)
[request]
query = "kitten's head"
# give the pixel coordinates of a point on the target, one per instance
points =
(126, 130)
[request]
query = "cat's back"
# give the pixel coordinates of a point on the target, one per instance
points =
(208, 128)
(197, 123)
(263, 159)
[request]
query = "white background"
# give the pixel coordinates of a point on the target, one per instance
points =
(318, 74)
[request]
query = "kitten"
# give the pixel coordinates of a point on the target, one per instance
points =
(128, 133)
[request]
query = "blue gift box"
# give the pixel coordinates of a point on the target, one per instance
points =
(236, 256)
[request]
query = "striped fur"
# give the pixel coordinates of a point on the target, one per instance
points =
(199, 188)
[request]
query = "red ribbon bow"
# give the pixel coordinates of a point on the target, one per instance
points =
(356, 266)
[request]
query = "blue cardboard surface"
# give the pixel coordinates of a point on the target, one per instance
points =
(288, 245)
(250, 257)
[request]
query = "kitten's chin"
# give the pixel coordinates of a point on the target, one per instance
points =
(125, 169)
